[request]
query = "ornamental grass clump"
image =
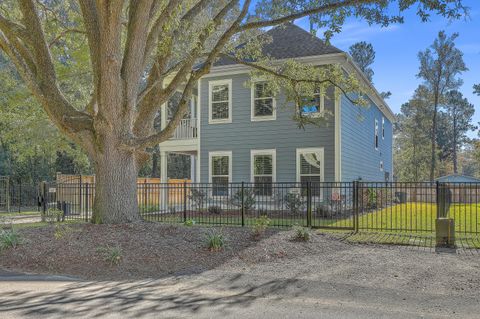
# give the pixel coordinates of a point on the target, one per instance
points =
(9, 239)
(215, 240)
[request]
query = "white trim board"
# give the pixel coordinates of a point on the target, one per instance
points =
(211, 84)
(220, 153)
(319, 150)
(254, 118)
(273, 153)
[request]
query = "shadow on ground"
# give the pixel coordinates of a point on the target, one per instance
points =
(469, 245)
(135, 299)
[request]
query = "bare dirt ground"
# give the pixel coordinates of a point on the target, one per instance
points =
(271, 278)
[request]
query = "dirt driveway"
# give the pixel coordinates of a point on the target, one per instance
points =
(324, 278)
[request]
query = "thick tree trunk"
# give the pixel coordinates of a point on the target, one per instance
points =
(115, 187)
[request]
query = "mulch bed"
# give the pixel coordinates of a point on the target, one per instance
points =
(149, 250)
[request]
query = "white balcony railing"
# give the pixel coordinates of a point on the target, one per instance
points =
(187, 129)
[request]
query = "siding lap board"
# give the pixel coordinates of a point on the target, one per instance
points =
(360, 159)
(243, 135)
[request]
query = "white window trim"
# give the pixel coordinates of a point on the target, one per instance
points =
(219, 153)
(211, 84)
(376, 136)
(319, 150)
(272, 152)
(383, 128)
(254, 118)
(321, 106)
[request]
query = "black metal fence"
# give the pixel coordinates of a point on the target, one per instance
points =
(17, 196)
(395, 207)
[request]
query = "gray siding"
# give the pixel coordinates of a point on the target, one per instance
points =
(243, 135)
(360, 159)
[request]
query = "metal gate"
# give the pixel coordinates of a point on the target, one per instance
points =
(4, 194)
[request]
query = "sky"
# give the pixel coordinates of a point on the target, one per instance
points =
(397, 48)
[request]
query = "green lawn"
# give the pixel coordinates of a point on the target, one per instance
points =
(16, 213)
(417, 217)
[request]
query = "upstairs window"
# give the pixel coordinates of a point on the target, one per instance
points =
(220, 97)
(263, 171)
(383, 128)
(314, 105)
(263, 102)
(220, 172)
(376, 134)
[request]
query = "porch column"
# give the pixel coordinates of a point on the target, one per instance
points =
(163, 180)
(193, 168)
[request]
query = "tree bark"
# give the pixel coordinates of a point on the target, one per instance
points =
(115, 186)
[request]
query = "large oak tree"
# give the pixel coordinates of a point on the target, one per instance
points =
(143, 51)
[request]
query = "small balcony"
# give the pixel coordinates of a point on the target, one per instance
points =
(186, 130)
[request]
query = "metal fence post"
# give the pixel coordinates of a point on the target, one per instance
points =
(86, 202)
(19, 196)
(44, 199)
(243, 203)
(438, 199)
(184, 201)
(309, 204)
(355, 206)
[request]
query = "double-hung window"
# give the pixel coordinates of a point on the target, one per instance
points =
(313, 105)
(376, 134)
(263, 171)
(220, 101)
(220, 164)
(263, 102)
(310, 169)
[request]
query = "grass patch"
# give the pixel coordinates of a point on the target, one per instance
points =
(23, 214)
(416, 217)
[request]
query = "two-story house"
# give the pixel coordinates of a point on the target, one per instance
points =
(238, 133)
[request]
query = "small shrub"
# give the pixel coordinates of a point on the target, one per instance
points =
(301, 233)
(189, 222)
(216, 210)
(294, 202)
(215, 240)
(248, 199)
(260, 225)
(371, 198)
(197, 197)
(9, 239)
(62, 231)
(53, 215)
(112, 255)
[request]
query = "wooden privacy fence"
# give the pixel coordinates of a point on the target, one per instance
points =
(79, 190)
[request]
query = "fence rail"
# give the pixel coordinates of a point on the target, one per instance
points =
(17, 195)
(381, 206)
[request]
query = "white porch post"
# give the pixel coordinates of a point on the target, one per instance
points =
(193, 166)
(163, 180)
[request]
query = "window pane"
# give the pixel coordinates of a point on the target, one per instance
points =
(263, 165)
(263, 185)
(311, 105)
(264, 107)
(220, 165)
(309, 163)
(262, 90)
(220, 110)
(220, 186)
(220, 93)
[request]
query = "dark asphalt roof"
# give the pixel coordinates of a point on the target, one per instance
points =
(290, 41)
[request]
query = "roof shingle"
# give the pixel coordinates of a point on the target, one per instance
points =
(290, 41)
